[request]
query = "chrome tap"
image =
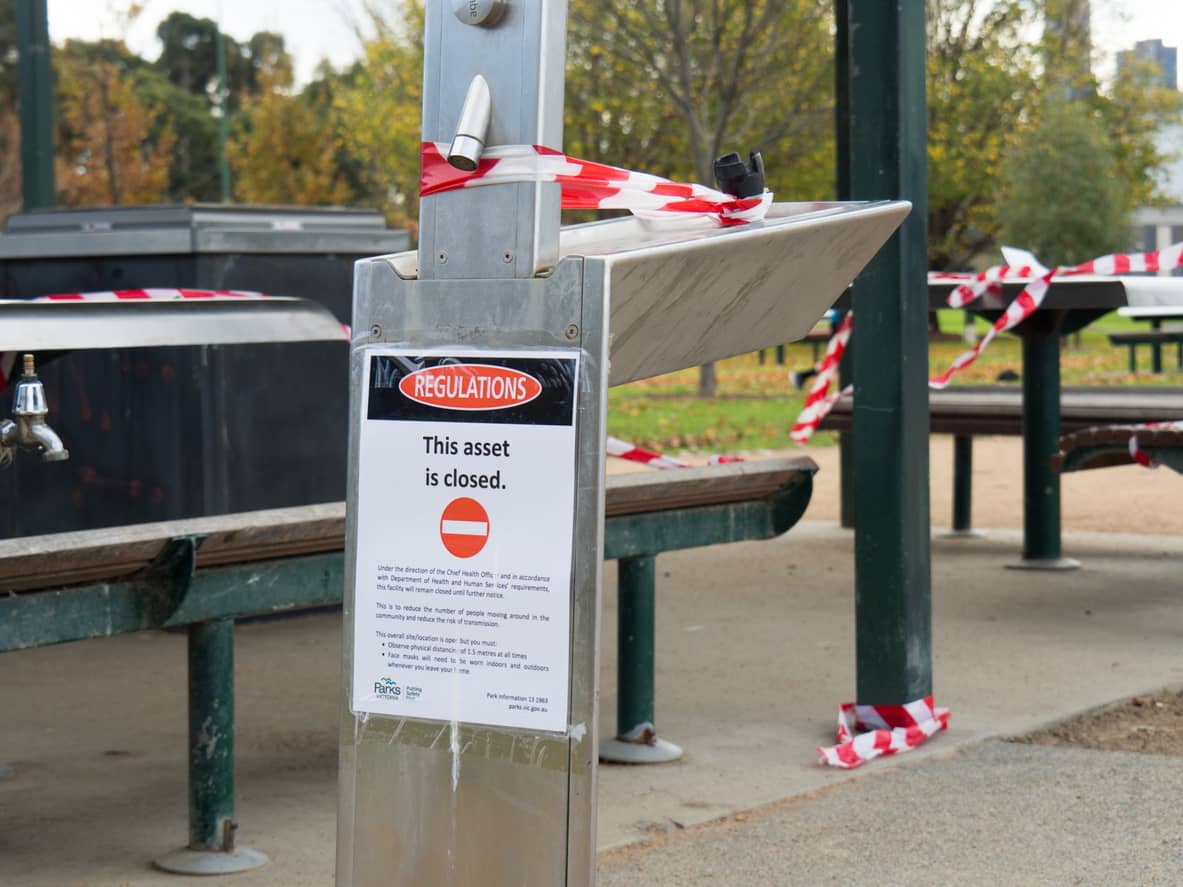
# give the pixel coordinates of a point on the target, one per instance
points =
(28, 429)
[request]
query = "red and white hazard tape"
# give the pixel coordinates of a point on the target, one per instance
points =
(163, 294)
(1137, 453)
(1022, 266)
(890, 729)
(624, 450)
(820, 401)
(589, 185)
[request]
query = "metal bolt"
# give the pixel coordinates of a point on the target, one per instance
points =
(485, 13)
(508, 257)
(442, 257)
(571, 332)
(376, 329)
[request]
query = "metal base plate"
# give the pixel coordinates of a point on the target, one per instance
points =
(963, 534)
(618, 751)
(185, 861)
(1045, 563)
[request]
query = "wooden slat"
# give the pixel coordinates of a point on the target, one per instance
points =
(117, 552)
(988, 409)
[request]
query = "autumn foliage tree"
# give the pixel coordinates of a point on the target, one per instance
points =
(286, 149)
(113, 146)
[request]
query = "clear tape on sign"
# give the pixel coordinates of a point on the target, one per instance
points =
(888, 730)
(589, 185)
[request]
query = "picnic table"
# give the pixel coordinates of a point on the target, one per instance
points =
(1071, 304)
(1155, 337)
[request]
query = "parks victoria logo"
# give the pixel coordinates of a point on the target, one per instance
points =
(389, 688)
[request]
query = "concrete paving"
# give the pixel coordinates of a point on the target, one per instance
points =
(755, 651)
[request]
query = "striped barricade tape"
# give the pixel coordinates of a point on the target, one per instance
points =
(622, 449)
(1022, 265)
(1137, 453)
(589, 185)
(889, 730)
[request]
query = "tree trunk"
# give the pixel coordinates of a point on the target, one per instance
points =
(707, 380)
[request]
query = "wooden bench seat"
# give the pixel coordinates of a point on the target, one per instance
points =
(205, 572)
(968, 410)
(1109, 445)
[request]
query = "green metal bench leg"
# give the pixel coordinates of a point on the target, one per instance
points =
(780, 355)
(1156, 349)
(636, 739)
(1041, 440)
(1133, 358)
(211, 849)
(963, 469)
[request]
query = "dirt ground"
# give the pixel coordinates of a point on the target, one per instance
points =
(1150, 724)
(1127, 499)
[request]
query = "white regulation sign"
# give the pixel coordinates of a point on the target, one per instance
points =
(465, 518)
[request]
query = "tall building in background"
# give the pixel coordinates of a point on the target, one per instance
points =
(1068, 43)
(1166, 58)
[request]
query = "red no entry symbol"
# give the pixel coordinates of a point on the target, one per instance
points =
(464, 527)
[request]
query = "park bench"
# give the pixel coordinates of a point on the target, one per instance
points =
(968, 410)
(1108, 445)
(204, 573)
(1155, 338)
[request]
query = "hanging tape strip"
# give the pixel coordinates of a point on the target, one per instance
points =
(589, 185)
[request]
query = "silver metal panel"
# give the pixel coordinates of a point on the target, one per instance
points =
(523, 809)
(508, 231)
(170, 230)
(61, 326)
(684, 297)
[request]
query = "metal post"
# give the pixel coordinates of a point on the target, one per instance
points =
(211, 848)
(780, 355)
(963, 469)
(1041, 440)
(36, 104)
(636, 739)
(224, 119)
(1156, 348)
(842, 181)
(886, 58)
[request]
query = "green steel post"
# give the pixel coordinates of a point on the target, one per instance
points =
(36, 104)
(1041, 438)
(1156, 352)
(780, 355)
(224, 119)
(211, 735)
(963, 470)
(893, 601)
(636, 584)
(1133, 358)
(842, 183)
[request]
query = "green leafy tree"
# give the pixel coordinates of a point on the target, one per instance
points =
(1064, 198)
(981, 79)
(380, 102)
(669, 85)
(113, 146)
(286, 148)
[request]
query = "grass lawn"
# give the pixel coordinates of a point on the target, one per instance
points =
(757, 404)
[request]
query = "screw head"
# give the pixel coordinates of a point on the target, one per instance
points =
(507, 257)
(485, 13)
(442, 258)
(376, 329)
(571, 332)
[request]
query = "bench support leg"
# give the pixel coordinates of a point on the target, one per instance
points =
(211, 849)
(636, 739)
(1156, 349)
(780, 355)
(963, 469)
(1041, 439)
